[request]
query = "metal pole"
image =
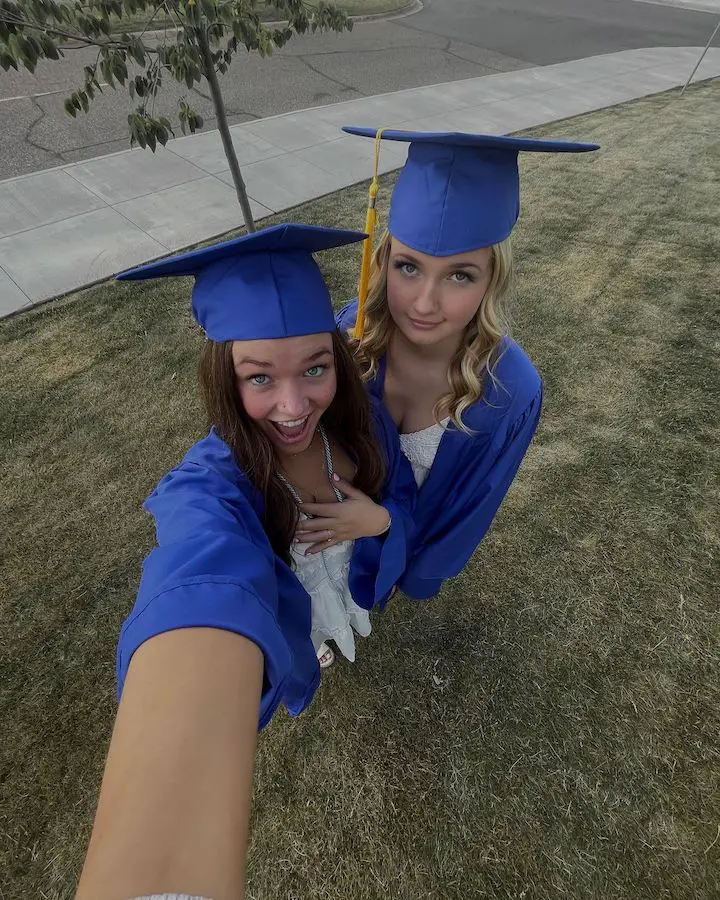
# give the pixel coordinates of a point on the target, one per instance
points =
(702, 57)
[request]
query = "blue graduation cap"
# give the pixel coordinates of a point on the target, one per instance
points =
(458, 192)
(258, 286)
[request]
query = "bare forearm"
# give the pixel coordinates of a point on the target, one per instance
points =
(174, 805)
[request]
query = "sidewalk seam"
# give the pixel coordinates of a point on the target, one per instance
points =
(142, 230)
(11, 279)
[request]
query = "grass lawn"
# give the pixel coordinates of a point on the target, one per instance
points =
(353, 7)
(548, 727)
(268, 13)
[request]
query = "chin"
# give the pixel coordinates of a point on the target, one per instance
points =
(296, 448)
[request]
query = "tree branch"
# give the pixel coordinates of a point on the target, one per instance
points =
(152, 17)
(223, 128)
(56, 31)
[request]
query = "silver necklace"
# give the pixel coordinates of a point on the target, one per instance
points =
(328, 465)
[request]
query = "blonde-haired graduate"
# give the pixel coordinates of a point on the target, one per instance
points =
(429, 336)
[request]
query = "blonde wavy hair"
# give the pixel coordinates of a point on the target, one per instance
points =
(478, 352)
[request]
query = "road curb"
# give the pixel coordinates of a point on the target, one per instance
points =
(407, 9)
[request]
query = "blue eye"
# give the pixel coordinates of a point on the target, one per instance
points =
(406, 268)
(257, 380)
(315, 371)
(462, 278)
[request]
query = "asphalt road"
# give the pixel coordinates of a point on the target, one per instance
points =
(446, 40)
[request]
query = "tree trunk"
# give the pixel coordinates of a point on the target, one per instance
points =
(219, 104)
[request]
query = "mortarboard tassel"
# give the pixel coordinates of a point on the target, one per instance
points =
(370, 223)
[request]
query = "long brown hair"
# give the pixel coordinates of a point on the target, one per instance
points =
(348, 420)
(477, 354)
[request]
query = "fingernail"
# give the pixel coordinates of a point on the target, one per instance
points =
(336, 477)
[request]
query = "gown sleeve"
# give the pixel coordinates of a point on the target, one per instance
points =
(379, 562)
(345, 317)
(212, 568)
(480, 478)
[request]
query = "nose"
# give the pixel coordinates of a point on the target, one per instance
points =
(292, 402)
(426, 301)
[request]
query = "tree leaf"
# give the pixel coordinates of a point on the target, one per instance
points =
(119, 69)
(48, 47)
(106, 69)
(139, 131)
(13, 45)
(137, 51)
(6, 61)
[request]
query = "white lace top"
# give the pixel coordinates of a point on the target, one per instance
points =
(420, 447)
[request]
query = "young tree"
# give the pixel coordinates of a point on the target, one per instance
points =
(199, 40)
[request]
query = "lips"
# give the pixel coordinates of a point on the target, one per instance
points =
(292, 431)
(423, 325)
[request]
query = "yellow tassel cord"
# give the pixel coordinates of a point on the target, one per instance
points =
(370, 223)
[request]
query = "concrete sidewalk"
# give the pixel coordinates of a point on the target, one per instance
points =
(68, 227)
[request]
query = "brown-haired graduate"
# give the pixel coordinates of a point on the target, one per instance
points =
(226, 623)
(430, 339)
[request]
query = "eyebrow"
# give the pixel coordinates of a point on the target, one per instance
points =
(264, 364)
(318, 355)
(261, 364)
(460, 265)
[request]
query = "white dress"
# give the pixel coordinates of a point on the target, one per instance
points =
(325, 576)
(335, 615)
(420, 447)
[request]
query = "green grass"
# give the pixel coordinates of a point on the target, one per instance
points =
(548, 727)
(138, 21)
(356, 7)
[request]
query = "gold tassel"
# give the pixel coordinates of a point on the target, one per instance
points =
(367, 251)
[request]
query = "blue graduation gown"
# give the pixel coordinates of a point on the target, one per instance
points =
(214, 567)
(471, 473)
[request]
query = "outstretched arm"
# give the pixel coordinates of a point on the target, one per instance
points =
(174, 804)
